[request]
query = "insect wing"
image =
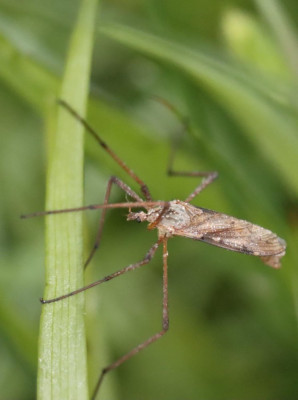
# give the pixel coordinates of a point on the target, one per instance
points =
(234, 234)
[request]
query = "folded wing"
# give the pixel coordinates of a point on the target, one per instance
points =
(234, 234)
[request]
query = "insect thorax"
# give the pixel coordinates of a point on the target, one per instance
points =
(172, 218)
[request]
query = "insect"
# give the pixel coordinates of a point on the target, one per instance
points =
(171, 218)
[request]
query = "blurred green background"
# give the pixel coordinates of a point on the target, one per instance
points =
(231, 68)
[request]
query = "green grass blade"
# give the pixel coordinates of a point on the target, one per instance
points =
(62, 372)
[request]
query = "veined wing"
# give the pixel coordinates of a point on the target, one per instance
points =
(234, 234)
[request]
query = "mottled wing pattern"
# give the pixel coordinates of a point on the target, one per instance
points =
(233, 234)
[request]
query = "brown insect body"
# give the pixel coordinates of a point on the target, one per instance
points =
(221, 230)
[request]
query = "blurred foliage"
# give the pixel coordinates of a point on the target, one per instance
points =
(230, 67)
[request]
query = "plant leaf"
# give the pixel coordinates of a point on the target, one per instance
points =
(62, 372)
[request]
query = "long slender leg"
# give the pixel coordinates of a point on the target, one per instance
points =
(165, 325)
(148, 257)
(88, 127)
(209, 176)
(126, 189)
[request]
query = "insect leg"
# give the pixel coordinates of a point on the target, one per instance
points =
(148, 257)
(209, 177)
(165, 325)
(92, 132)
(126, 189)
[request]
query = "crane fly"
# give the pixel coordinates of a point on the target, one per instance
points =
(171, 218)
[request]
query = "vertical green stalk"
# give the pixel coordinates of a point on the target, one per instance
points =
(62, 370)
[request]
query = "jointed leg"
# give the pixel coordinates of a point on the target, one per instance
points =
(209, 177)
(126, 189)
(165, 325)
(103, 144)
(148, 257)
